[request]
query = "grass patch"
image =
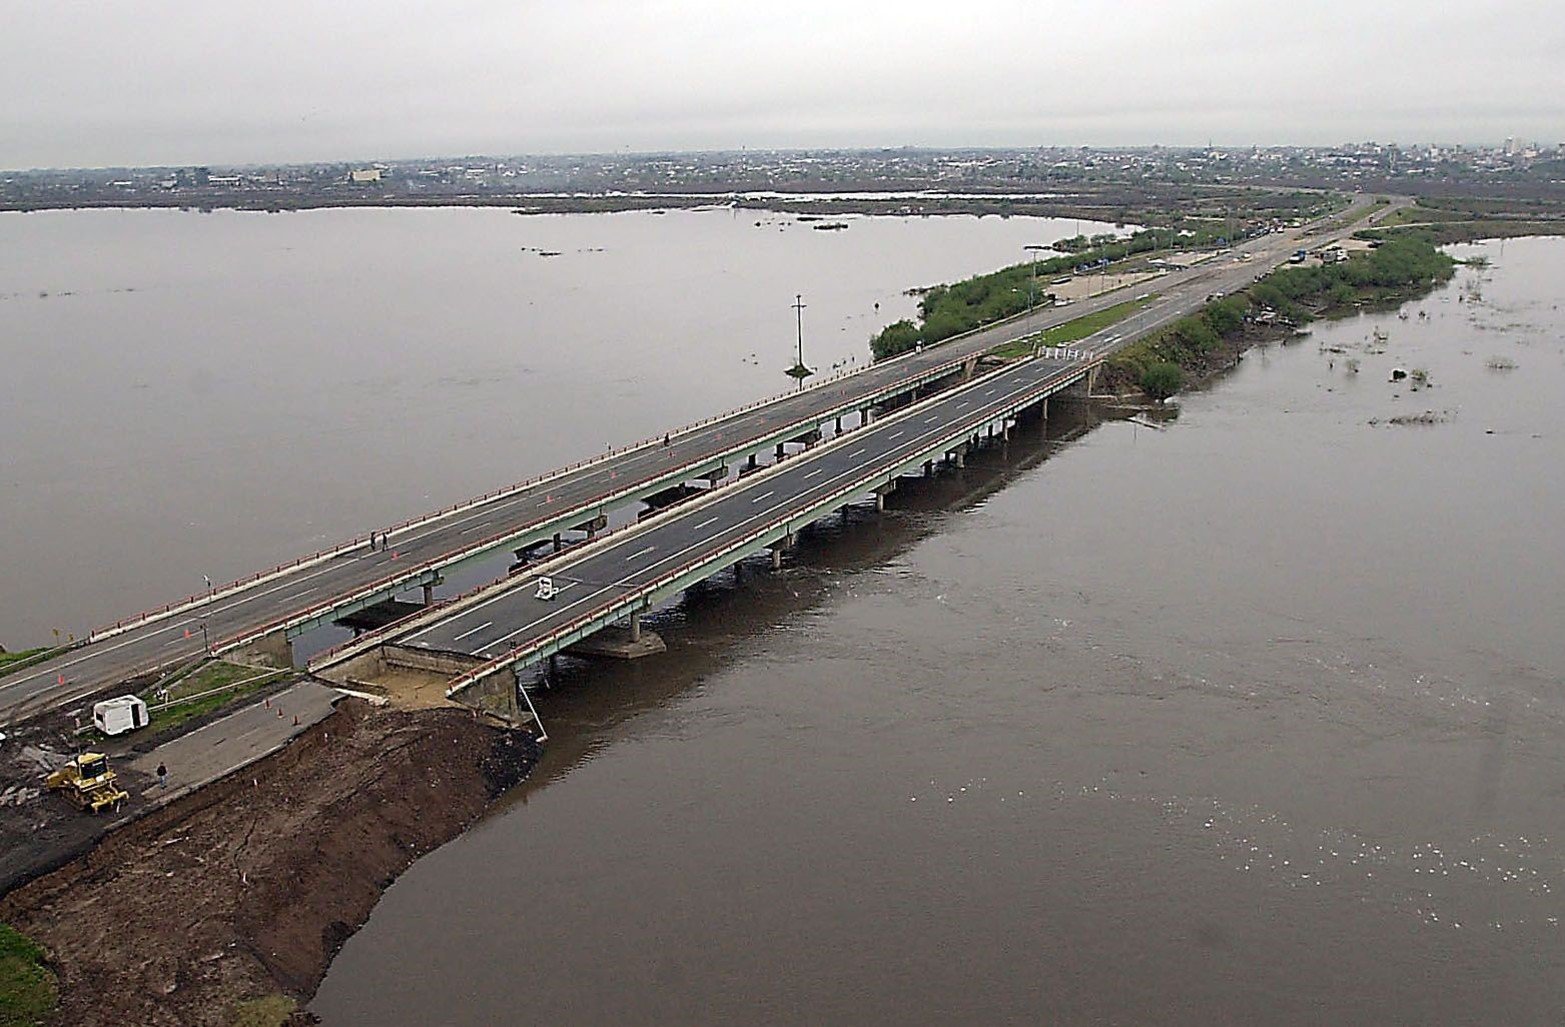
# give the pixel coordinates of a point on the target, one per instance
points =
(267, 1011)
(26, 658)
(28, 992)
(209, 678)
(1070, 331)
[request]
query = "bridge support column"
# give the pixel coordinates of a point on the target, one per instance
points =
(959, 456)
(786, 542)
(635, 626)
(752, 464)
(882, 492)
(781, 452)
(839, 424)
(559, 542)
(429, 593)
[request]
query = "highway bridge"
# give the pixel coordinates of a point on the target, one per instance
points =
(273, 607)
(565, 600)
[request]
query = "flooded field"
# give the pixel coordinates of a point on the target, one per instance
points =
(1257, 718)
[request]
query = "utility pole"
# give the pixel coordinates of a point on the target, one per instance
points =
(798, 308)
(799, 371)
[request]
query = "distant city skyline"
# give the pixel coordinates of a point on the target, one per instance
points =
(119, 84)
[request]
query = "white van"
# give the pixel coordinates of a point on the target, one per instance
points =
(119, 715)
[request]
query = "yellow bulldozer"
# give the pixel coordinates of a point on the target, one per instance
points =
(89, 783)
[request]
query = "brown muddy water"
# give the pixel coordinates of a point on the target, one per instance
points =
(1255, 719)
(190, 394)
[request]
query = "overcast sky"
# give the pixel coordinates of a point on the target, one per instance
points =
(112, 82)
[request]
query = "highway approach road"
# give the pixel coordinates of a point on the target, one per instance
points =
(232, 612)
(512, 624)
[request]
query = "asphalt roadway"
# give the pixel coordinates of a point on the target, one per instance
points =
(232, 612)
(514, 625)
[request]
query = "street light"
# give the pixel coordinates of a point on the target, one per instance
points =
(1033, 290)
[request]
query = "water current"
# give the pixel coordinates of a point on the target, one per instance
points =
(1254, 719)
(191, 395)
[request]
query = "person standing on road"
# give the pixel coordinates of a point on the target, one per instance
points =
(162, 776)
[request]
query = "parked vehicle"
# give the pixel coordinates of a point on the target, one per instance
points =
(119, 715)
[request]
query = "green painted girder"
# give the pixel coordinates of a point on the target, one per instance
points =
(763, 538)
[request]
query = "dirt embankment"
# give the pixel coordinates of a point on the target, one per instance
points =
(250, 887)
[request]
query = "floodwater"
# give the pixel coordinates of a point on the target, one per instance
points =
(191, 394)
(1254, 719)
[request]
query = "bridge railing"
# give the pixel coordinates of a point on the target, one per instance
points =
(199, 599)
(1045, 387)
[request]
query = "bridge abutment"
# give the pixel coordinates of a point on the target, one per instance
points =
(274, 649)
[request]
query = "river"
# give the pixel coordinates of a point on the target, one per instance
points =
(200, 395)
(1254, 719)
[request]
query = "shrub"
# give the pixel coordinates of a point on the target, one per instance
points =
(1162, 379)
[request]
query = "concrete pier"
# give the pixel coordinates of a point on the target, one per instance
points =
(615, 643)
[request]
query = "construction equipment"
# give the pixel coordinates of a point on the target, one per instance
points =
(89, 783)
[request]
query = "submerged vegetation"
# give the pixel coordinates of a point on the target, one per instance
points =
(1399, 268)
(1400, 264)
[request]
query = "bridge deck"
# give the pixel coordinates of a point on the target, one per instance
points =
(355, 575)
(509, 625)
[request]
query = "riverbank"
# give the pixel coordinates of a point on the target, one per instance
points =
(1195, 348)
(243, 892)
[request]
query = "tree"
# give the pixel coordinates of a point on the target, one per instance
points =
(895, 338)
(1161, 380)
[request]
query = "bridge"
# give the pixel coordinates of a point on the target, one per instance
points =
(565, 600)
(271, 608)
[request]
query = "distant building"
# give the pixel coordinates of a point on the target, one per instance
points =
(360, 176)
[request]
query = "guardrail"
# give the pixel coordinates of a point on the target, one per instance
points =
(629, 599)
(197, 600)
